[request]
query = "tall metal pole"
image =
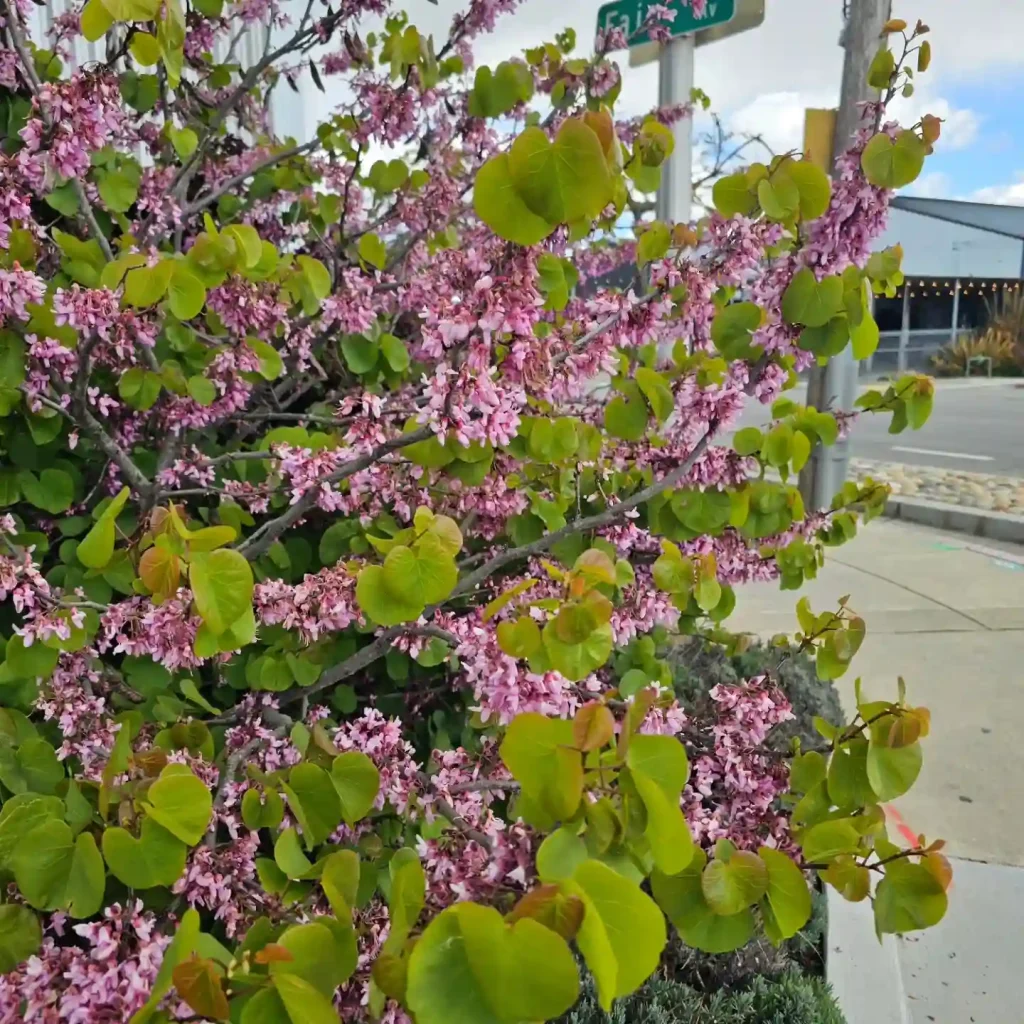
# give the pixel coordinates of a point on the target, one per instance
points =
(675, 84)
(834, 386)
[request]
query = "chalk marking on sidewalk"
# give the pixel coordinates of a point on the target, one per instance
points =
(945, 455)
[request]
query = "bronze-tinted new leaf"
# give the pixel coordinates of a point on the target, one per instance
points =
(199, 983)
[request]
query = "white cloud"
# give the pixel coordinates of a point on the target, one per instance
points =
(983, 35)
(796, 49)
(1010, 194)
(933, 185)
(960, 125)
(760, 80)
(778, 117)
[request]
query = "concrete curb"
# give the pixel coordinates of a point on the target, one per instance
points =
(965, 969)
(957, 518)
(864, 973)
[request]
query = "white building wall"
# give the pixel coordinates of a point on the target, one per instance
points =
(248, 48)
(939, 248)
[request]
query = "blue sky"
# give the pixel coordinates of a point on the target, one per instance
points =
(989, 165)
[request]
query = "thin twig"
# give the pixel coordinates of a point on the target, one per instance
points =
(231, 767)
(264, 537)
(587, 523)
(485, 786)
(229, 184)
(449, 812)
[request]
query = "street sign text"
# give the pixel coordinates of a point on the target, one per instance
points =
(630, 15)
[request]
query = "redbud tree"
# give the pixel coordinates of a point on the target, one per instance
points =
(349, 519)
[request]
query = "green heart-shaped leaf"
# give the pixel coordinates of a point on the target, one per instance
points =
(681, 896)
(564, 181)
(500, 206)
(181, 803)
(357, 782)
(381, 604)
(811, 302)
(731, 885)
(56, 871)
(539, 752)
(222, 586)
(788, 895)
(317, 957)
(893, 163)
(156, 858)
(623, 932)
(20, 934)
(314, 801)
(469, 965)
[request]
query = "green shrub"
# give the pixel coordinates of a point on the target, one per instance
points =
(953, 360)
(710, 972)
(759, 984)
(698, 667)
(787, 999)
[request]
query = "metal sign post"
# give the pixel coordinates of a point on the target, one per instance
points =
(675, 75)
(675, 84)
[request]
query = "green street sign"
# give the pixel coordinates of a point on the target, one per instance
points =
(629, 15)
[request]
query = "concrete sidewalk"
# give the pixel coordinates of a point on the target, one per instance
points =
(948, 615)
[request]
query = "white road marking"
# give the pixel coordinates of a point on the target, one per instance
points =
(946, 455)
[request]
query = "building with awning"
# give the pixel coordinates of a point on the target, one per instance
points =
(959, 258)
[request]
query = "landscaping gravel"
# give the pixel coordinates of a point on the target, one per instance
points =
(951, 486)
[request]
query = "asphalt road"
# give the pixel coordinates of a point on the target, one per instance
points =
(975, 426)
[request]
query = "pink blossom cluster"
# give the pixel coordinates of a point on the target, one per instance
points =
(182, 413)
(50, 624)
(10, 70)
(734, 790)
(18, 287)
(106, 978)
(20, 579)
(15, 210)
(857, 214)
(86, 112)
(472, 406)
(308, 471)
(323, 603)
(96, 312)
(353, 307)
(73, 698)
(48, 359)
(166, 632)
(265, 745)
(246, 308)
(223, 880)
(643, 607)
(382, 741)
(459, 866)
(372, 925)
(502, 686)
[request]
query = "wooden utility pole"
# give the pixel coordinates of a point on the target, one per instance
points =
(834, 385)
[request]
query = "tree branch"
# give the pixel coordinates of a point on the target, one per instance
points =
(227, 775)
(449, 812)
(229, 184)
(264, 537)
(485, 786)
(363, 658)
(586, 523)
(92, 426)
